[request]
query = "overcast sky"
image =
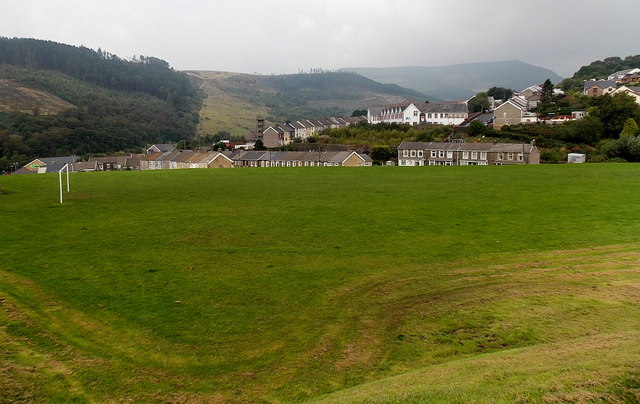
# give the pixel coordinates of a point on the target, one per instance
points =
(285, 36)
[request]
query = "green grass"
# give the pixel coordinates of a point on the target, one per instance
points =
(458, 284)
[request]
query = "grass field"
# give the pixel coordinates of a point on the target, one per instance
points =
(384, 284)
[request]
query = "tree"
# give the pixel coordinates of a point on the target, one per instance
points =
(614, 112)
(477, 128)
(547, 91)
(500, 93)
(479, 103)
(359, 112)
(380, 154)
(630, 129)
(259, 145)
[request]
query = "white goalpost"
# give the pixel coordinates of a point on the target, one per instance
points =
(66, 166)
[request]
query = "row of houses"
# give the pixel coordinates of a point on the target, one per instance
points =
(417, 113)
(460, 153)
(176, 159)
(279, 135)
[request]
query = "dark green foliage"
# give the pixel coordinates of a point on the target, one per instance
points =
(389, 134)
(259, 145)
(603, 68)
(500, 93)
(614, 111)
(547, 91)
(477, 128)
(119, 105)
(381, 154)
(479, 103)
(359, 112)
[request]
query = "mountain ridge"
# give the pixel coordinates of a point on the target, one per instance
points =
(460, 81)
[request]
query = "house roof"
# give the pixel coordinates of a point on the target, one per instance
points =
(454, 107)
(599, 83)
(163, 147)
(51, 161)
(109, 159)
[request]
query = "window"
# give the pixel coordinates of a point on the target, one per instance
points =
(420, 153)
(520, 157)
(500, 156)
(510, 156)
(413, 153)
(465, 154)
(432, 163)
(441, 153)
(474, 155)
(433, 153)
(449, 154)
(415, 113)
(483, 155)
(405, 153)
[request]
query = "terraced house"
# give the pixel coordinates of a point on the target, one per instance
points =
(415, 113)
(460, 153)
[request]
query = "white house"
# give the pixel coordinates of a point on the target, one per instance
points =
(414, 113)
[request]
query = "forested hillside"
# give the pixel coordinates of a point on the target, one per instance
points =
(600, 69)
(117, 104)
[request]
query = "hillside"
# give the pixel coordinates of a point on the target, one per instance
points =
(234, 100)
(16, 97)
(456, 82)
(59, 99)
(282, 285)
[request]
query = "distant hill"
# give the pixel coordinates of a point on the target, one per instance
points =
(461, 81)
(234, 100)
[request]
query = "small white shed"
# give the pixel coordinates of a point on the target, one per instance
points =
(576, 158)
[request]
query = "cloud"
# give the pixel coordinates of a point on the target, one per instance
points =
(285, 35)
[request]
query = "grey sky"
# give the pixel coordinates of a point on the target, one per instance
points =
(284, 36)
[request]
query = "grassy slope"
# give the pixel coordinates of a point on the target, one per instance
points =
(235, 100)
(224, 111)
(423, 284)
(15, 97)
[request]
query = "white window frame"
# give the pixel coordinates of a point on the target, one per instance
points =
(434, 153)
(474, 155)
(420, 153)
(465, 154)
(413, 153)
(483, 155)
(449, 154)
(510, 156)
(520, 157)
(441, 153)
(405, 153)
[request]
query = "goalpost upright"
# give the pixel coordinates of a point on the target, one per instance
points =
(66, 166)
